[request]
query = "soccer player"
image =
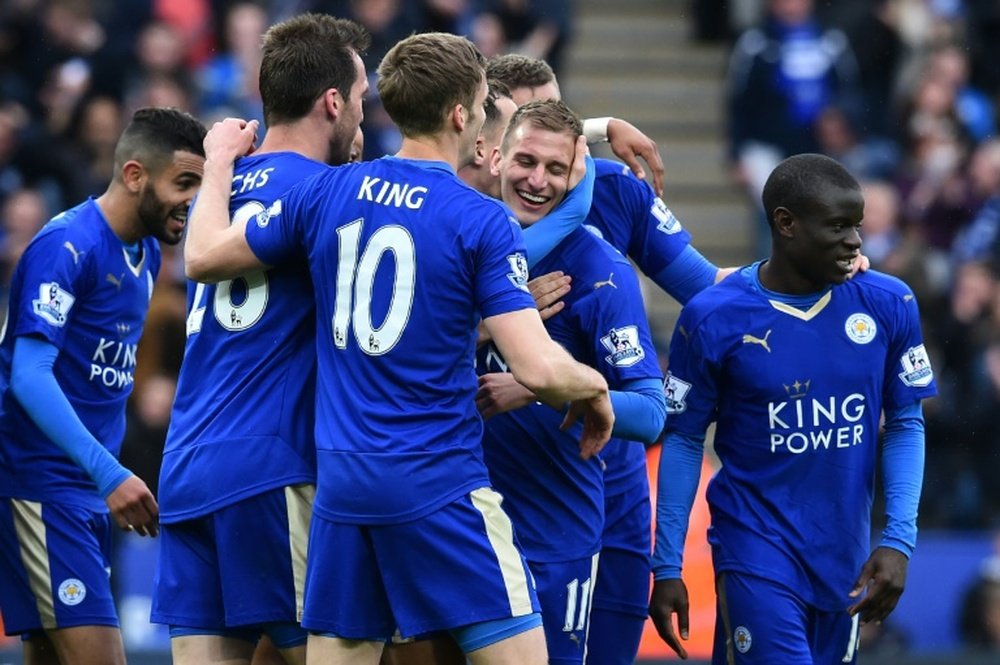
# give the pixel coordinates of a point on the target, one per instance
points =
(529, 78)
(79, 298)
(555, 499)
(406, 532)
(629, 215)
(796, 365)
(239, 468)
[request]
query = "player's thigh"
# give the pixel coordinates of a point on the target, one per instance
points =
(344, 592)
(88, 645)
(455, 567)
(215, 649)
(527, 648)
(54, 560)
(262, 545)
(437, 649)
(325, 650)
(565, 591)
(759, 622)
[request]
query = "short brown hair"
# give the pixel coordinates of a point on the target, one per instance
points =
(520, 71)
(302, 58)
(424, 76)
(549, 114)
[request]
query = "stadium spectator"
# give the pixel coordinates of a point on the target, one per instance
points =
(979, 622)
(782, 75)
(228, 81)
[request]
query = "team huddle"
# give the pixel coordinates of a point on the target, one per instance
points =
(410, 421)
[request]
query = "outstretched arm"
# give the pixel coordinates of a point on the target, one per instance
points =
(215, 249)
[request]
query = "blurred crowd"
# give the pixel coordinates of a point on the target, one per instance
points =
(903, 92)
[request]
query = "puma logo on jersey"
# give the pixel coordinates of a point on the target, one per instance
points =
(117, 281)
(750, 339)
(72, 250)
(606, 282)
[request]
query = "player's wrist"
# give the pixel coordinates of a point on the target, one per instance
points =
(596, 129)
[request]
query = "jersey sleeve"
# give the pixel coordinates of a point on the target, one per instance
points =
(909, 376)
(622, 344)
(275, 235)
(657, 237)
(56, 274)
(501, 267)
(692, 384)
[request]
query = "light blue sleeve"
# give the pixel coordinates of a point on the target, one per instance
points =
(640, 410)
(903, 473)
(676, 486)
(688, 274)
(541, 237)
(36, 389)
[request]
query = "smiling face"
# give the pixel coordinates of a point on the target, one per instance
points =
(825, 239)
(165, 196)
(534, 170)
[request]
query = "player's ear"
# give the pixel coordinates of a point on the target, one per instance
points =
(332, 103)
(495, 159)
(458, 117)
(133, 175)
(784, 221)
(479, 158)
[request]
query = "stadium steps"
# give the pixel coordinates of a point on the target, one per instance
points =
(635, 59)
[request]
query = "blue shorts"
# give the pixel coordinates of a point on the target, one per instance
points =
(241, 565)
(458, 566)
(565, 590)
(623, 582)
(55, 563)
(760, 622)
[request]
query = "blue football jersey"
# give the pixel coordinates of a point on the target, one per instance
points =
(627, 213)
(797, 397)
(74, 287)
(555, 498)
(243, 416)
(633, 219)
(405, 258)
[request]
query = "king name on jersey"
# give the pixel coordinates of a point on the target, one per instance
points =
(802, 423)
(112, 363)
(391, 194)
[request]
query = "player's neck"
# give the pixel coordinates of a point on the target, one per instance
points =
(429, 148)
(121, 213)
(294, 138)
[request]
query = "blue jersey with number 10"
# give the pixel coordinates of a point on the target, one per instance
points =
(243, 416)
(405, 258)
